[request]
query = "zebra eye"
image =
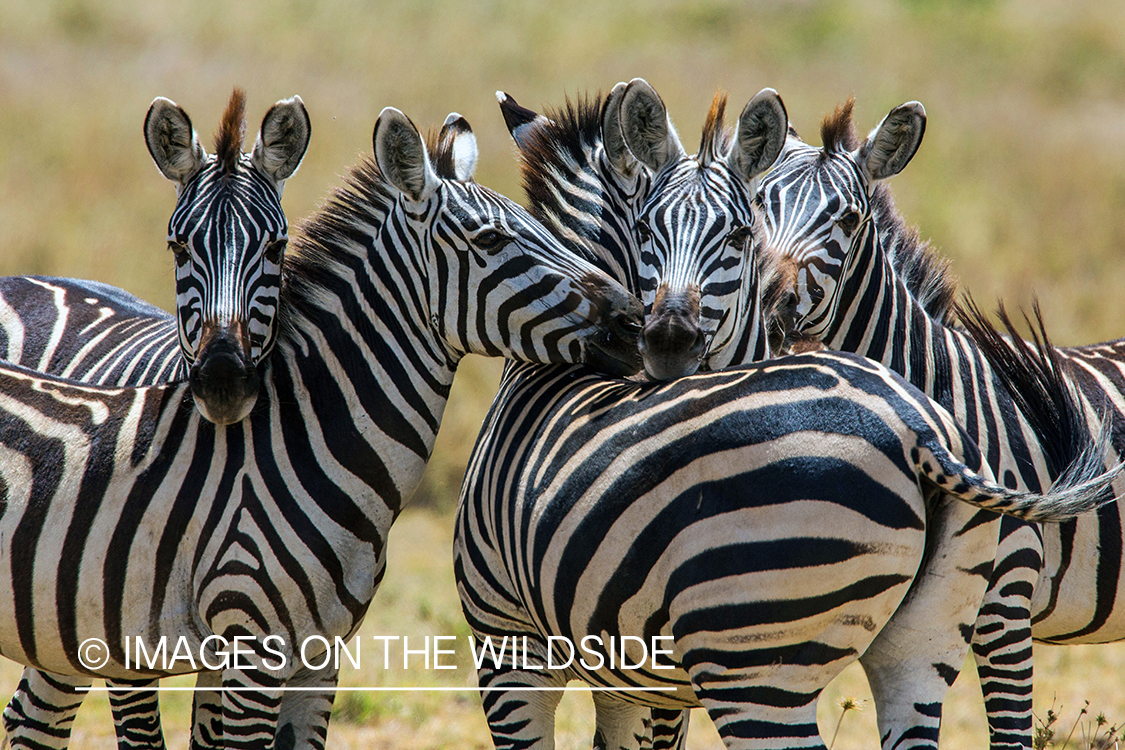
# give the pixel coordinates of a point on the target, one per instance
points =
(849, 221)
(739, 237)
(179, 251)
(274, 251)
(644, 233)
(491, 240)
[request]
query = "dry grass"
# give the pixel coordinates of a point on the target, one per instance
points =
(1021, 181)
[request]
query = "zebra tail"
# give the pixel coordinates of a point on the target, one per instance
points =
(1084, 486)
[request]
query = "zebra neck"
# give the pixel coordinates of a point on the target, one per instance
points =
(878, 318)
(357, 345)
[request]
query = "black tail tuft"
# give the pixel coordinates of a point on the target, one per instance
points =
(1036, 377)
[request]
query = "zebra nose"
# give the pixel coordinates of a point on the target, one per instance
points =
(612, 345)
(672, 341)
(223, 382)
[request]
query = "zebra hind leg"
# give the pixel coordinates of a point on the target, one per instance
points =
(136, 715)
(42, 711)
(669, 729)
(251, 705)
(523, 719)
(303, 721)
(207, 712)
(919, 652)
(1002, 639)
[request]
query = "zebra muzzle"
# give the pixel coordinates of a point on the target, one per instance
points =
(224, 381)
(612, 347)
(672, 341)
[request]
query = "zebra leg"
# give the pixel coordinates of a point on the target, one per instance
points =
(136, 715)
(1002, 640)
(669, 729)
(918, 654)
(42, 711)
(621, 725)
(303, 721)
(758, 717)
(251, 706)
(520, 718)
(207, 712)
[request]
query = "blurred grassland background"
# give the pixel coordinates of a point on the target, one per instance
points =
(1020, 180)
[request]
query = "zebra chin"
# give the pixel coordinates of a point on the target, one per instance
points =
(224, 381)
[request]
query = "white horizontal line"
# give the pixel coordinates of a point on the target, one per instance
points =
(107, 689)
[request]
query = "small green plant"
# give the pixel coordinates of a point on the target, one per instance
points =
(1095, 734)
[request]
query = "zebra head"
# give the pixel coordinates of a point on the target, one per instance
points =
(818, 204)
(228, 235)
(581, 180)
(498, 283)
(696, 227)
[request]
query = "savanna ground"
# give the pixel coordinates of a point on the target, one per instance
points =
(1020, 180)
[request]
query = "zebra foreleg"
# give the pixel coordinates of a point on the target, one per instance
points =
(521, 718)
(136, 715)
(917, 655)
(1002, 639)
(621, 725)
(42, 711)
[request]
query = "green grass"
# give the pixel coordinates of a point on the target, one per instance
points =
(1021, 180)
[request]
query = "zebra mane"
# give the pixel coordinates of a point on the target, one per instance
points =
(327, 241)
(926, 273)
(715, 142)
(1037, 379)
(563, 145)
(232, 131)
(837, 132)
(772, 290)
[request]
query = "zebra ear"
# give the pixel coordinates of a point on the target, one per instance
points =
(172, 141)
(762, 129)
(521, 121)
(646, 128)
(893, 142)
(401, 155)
(613, 141)
(282, 140)
(459, 146)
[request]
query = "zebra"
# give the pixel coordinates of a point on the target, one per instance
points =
(226, 234)
(861, 280)
(584, 182)
(775, 514)
(375, 309)
(562, 160)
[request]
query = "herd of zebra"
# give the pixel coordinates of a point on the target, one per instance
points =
(742, 412)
